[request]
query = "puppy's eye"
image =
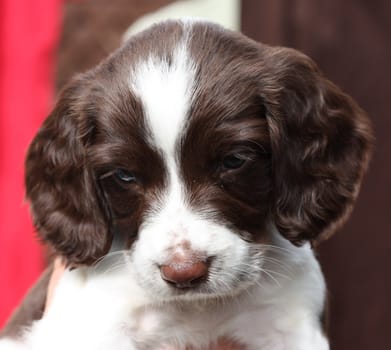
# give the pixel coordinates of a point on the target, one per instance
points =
(124, 176)
(233, 161)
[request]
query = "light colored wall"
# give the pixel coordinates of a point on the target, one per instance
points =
(224, 12)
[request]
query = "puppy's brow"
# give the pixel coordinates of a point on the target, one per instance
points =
(165, 91)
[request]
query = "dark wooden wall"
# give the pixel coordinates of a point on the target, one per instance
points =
(351, 42)
(92, 29)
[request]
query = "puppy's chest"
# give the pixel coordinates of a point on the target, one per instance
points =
(175, 326)
(200, 328)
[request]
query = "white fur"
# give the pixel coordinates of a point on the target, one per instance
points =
(10, 344)
(113, 311)
(165, 91)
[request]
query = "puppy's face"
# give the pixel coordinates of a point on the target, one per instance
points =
(188, 144)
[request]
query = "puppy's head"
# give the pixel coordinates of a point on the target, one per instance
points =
(189, 143)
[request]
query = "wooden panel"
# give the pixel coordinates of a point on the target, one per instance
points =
(350, 40)
(93, 29)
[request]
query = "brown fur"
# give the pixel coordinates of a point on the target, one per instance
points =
(31, 308)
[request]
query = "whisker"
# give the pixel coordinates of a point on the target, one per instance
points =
(271, 276)
(278, 263)
(109, 256)
(110, 262)
(277, 248)
(278, 273)
(112, 269)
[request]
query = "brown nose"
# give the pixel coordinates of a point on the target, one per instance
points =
(185, 274)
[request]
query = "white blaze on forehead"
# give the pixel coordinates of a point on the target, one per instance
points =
(165, 91)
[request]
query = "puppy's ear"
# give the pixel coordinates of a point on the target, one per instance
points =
(66, 203)
(320, 141)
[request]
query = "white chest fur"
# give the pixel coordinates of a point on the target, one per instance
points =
(109, 310)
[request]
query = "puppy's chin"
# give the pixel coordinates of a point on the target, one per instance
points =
(208, 293)
(200, 294)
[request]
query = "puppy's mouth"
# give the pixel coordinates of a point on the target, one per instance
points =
(206, 290)
(202, 291)
(206, 280)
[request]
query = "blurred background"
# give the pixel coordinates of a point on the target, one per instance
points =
(44, 42)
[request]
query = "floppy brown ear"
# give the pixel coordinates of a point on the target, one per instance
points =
(321, 142)
(65, 200)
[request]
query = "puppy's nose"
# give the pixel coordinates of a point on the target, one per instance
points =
(185, 273)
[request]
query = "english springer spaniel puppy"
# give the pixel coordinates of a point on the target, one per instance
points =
(185, 181)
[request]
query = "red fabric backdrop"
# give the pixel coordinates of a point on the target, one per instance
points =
(28, 36)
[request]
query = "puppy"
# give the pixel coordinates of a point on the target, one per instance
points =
(185, 180)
